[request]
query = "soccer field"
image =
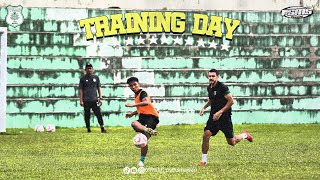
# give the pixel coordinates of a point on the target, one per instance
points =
(278, 152)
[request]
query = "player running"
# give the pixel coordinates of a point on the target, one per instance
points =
(220, 101)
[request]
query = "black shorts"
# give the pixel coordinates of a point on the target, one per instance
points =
(90, 104)
(224, 124)
(148, 120)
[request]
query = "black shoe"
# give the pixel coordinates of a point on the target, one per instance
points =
(103, 131)
(89, 130)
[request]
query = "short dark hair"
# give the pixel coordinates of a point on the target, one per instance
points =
(88, 65)
(214, 70)
(132, 79)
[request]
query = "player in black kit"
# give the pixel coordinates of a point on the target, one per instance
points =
(89, 85)
(220, 100)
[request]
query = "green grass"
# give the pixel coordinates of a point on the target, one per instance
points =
(278, 152)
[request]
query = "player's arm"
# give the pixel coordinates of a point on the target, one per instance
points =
(228, 105)
(81, 97)
(81, 92)
(99, 91)
(129, 115)
(144, 102)
(208, 103)
(143, 99)
(100, 95)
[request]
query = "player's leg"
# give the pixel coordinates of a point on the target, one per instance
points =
(97, 111)
(205, 141)
(244, 135)
(150, 123)
(227, 129)
(233, 141)
(144, 151)
(87, 107)
(140, 125)
(211, 129)
(205, 146)
(143, 154)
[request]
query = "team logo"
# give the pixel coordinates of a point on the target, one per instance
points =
(14, 16)
(296, 12)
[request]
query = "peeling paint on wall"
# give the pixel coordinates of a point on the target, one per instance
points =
(271, 68)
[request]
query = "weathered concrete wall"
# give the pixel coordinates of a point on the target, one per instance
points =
(272, 68)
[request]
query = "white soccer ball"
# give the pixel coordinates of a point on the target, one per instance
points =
(140, 140)
(50, 128)
(38, 128)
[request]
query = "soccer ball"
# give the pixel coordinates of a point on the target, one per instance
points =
(50, 128)
(140, 140)
(38, 128)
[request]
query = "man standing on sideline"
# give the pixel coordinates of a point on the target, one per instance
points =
(220, 101)
(89, 85)
(148, 115)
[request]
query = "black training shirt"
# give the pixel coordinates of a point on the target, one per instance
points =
(216, 95)
(89, 85)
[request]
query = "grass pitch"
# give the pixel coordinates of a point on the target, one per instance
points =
(278, 152)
